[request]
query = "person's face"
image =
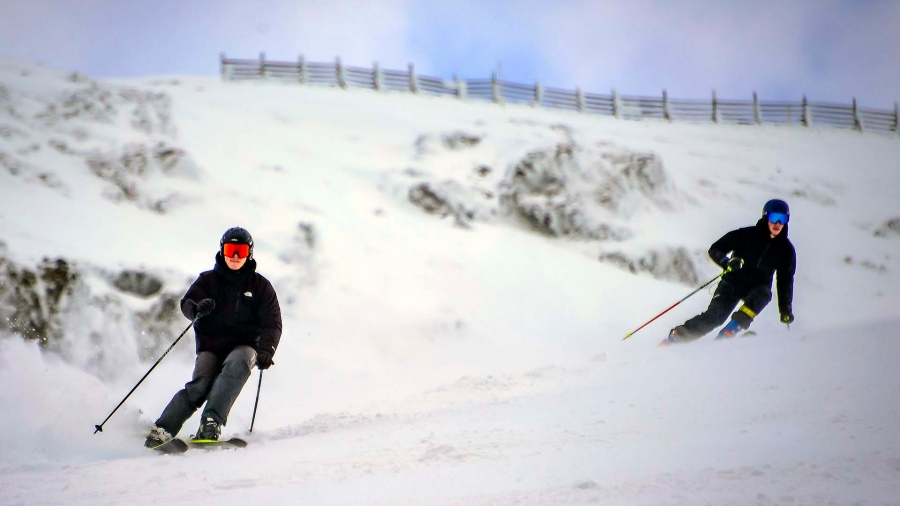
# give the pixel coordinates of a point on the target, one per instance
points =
(234, 263)
(232, 254)
(775, 228)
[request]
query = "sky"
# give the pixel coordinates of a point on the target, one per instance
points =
(443, 359)
(829, 50)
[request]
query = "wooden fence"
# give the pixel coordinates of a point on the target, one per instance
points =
(744, 112)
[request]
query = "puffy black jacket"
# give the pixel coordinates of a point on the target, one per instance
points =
(246, 312)
(764, 256)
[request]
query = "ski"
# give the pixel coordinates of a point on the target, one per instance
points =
(665, 342)
(746, 333)
(177, 445)
(172, 446)
(212, 444)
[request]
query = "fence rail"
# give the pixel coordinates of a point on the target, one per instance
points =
(742, 112)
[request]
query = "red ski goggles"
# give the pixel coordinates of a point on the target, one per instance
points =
(230, 249)
(778, 218)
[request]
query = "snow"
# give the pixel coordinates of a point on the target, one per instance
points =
(440, 361)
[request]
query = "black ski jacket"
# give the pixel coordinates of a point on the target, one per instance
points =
(246, 312)
(763, 257)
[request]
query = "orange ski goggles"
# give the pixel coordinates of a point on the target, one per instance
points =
(241, 250)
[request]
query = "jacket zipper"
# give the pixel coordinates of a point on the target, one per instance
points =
(759, 262)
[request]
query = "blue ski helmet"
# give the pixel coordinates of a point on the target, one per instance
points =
(777, 211)
(237, 235)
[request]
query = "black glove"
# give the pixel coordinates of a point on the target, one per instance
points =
(264, 359)
(203, 308)
(787, 318)
(734, 264)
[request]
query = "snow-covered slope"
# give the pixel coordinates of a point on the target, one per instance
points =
(456, 280)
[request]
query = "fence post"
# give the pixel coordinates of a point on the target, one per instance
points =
(805, 119)
(262, 65)
(496, 89)
(757, 116)
(339, 73)
(301, 69)
(615, 104)
(715, 108)
(897, 117)
(377, 77)
(460, 87)
(413, 85)
(666, 114)
(857, 124)
(579, 99)
(538, 93)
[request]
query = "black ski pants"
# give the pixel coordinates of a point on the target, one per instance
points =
(216, 382)
(724, 300)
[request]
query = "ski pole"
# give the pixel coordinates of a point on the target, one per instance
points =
(255, 404)
(673, 305)
(100, 427)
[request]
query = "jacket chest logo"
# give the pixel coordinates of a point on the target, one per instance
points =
(248, 294)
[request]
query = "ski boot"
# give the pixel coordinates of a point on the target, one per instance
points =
(157, 438)
(728, 331)
(676, 335)
(210, 430)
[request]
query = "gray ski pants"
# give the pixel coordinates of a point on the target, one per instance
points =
(215, 382)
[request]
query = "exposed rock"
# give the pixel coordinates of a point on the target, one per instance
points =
(307, 234)
(565, 191)
(60, 146)
(483, 170)
(136, 162)
(54, 305)
(32, 300)
(890, 228)
(455, 141)
(149, 112)
(138, 283)
(673, 264)
(449, 199)
(159, 324)
(460, 140)
(423, 196)
(630, 175)
(300, 254)
(11, 164)
(303, 245)
(559, 191)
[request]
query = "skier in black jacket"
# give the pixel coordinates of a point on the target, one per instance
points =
(750, 257)
(237, 324)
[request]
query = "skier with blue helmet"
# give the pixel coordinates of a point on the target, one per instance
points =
(751, 257)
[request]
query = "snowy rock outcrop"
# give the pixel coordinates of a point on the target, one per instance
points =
(88, 316)
(125, 136)
(32, 299)
(125, 168)
(566, 190)
(571, 189)
(582, 193)
(672, 264)
(891, 228)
